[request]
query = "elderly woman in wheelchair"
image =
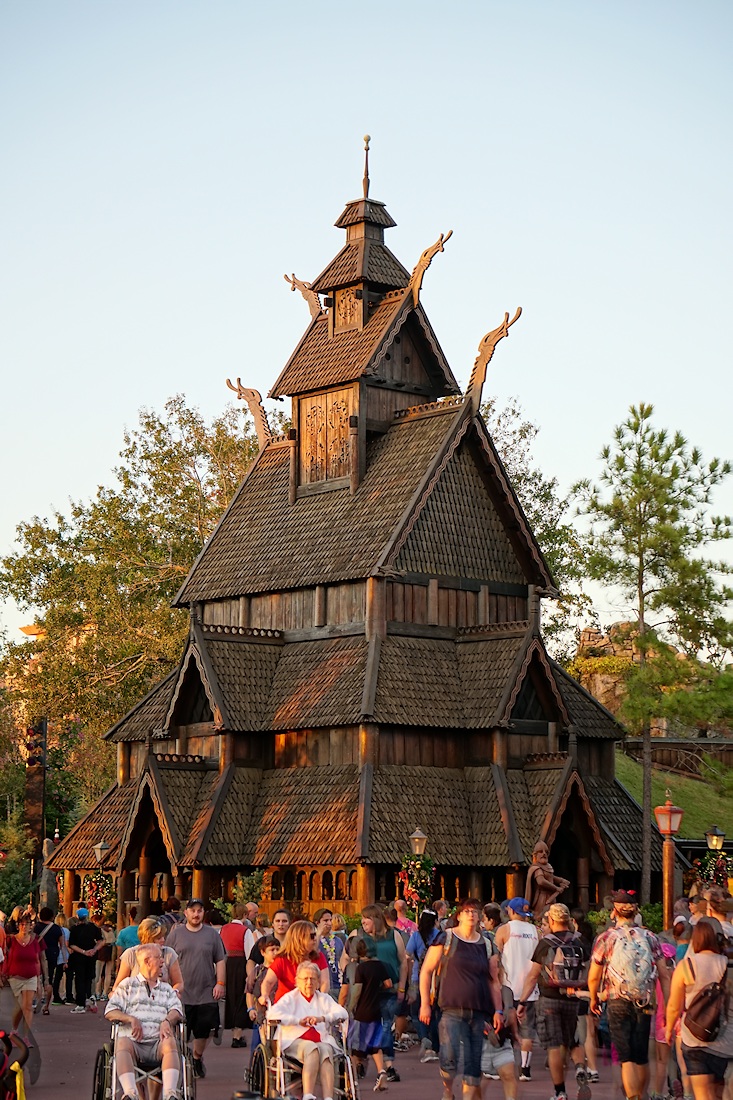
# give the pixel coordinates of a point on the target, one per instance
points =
(148, 1013)
(303, 1016)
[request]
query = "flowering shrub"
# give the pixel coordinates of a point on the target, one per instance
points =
(416, 877)
(714, 868)
(98, 894)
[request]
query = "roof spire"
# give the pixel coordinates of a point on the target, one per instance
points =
(367, 139)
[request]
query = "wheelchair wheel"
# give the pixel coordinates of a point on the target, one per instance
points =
(103, 1074)
(258, 1075)
(188, 1084)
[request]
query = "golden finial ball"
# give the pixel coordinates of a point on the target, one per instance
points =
(367, 139)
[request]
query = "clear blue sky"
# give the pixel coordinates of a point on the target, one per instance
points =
(165, 163)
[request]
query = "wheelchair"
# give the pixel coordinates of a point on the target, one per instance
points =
(106, 1086)
(273, 1074)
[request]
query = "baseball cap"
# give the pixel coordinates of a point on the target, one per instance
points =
(622, 898)
(82, 912)
(519, 905)
(194, 901)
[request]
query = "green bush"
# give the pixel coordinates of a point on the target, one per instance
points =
(653, 916)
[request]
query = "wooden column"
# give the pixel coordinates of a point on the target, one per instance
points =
(475, 886)
(198, 884)
(605, 886)
(515, 878)
(365, 885)
(125, 891)
(483, 605)
(553, 737)
(368, 744)
(293, 478)
(69, 893)
(179, 885)
(354, 471)
(433, 612)
(376, 614)
(226, 750)
(144, 880)
(499, 748)
(582, 879)
(319, 610)
(123, 762)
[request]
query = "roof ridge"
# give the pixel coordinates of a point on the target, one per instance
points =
(514, 629)
(242, 631)
(431, 408)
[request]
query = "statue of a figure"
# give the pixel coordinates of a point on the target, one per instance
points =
(48, 894)
(543, 885)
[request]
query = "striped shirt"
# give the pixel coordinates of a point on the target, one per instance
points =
(148, 1004)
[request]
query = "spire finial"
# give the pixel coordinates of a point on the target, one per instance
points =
(367, 139)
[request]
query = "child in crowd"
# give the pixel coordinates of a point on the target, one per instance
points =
(365, 1033)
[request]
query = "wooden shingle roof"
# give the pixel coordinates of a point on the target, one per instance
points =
(304, 815)
(489, 832)
(442, 810)
(146, 716)
(318, 683)
(584, 710)
(459, 531)
(324, 537)
(621, 823)
(229, 834)
(362, 260)
(244, 672)
(105, 821)
(486, 668)
(418, 683)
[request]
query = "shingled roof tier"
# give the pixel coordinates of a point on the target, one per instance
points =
(147, 716)
(621, 819)
(320, 360)
(362, 261)
(365, 210)
(585, 712)
(315, 537)
(105, 821)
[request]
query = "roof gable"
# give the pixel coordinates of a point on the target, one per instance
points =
(321, 360)
(148, 715)
(321, 538)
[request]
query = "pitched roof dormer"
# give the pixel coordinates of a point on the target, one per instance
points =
(365, 269)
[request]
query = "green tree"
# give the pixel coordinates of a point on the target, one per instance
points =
(100, 580)
(549, 515)
(649, 525)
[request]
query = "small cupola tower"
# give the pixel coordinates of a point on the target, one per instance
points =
(365, 269)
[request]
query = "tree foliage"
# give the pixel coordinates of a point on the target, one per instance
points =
(549, 514)
(101, 577)
(649, 525)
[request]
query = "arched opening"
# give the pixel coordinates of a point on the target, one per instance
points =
(327, 886)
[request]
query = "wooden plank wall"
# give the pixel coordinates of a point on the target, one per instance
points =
(346, 603)
(300, 748)
(408, 603)
(520, 745)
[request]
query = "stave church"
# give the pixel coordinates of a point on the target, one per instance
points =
(365, 653)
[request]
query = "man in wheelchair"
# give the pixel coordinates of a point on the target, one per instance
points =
(148, 1012)
(303, 1016)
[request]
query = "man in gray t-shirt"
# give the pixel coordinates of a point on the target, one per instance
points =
(203, 966)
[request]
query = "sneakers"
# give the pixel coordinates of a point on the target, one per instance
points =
(77, 1008)
(199, 1069)
(60, 1003)
(217, 1038)
(581, 1080)
(380, 1084)
(593, 1077)
(401, 1045)
(525, 1073)
(491, 1076)
(559, 1096)
(429, 1055)
(392, 1074)
(360, 1069)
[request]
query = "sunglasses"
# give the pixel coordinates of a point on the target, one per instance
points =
(313, 935)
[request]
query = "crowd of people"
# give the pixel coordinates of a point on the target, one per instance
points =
(480, 988)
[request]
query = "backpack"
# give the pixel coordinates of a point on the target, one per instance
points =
(630, 968)
(567, 967)
(707, 1009)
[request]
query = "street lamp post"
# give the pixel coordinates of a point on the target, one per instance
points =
(669, 820)
(100, 851)
(418, 843)
(715, 837)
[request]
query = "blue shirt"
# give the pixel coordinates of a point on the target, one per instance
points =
(128, 937)
(416, 948)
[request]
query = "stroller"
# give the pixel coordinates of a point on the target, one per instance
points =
(12, 1083)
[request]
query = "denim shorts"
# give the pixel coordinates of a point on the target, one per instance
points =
(462, 1027)
(629, 1027)
(699, 1060)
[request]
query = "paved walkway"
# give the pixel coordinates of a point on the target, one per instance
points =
(69, 1043)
